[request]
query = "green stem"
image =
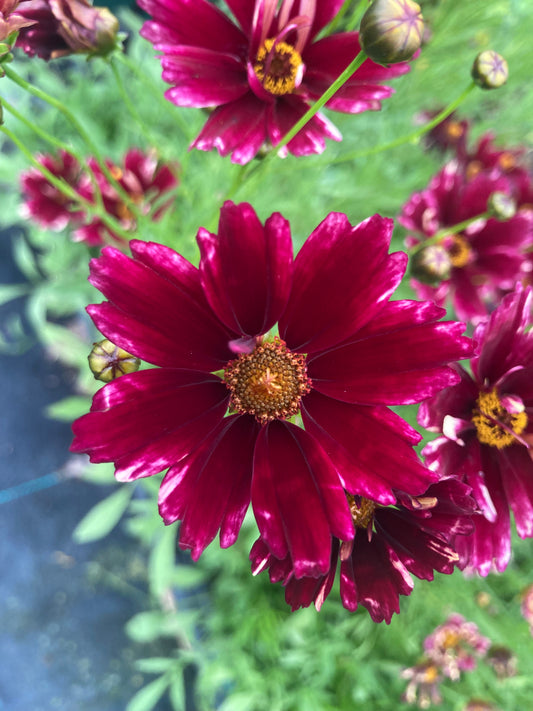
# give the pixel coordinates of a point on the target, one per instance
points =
(54, 142)
(357, 13)
(409, 137)
(67, 190)
(55, 103)
(446, 231)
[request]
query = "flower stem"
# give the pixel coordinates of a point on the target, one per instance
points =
(452, 230)
(66, 189)
(56, 104)
(409, 137)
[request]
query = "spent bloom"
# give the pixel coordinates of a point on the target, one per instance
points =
(144, 181)
(261, 74)
(423, 685)
(11, 20)
(43, 202)
(486, 421)
(469, 265)
(526, 606)
(455, 646)
(416, 536)
(64, 27)
(218, 410)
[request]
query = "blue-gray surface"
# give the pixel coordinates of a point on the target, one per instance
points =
(63, 606)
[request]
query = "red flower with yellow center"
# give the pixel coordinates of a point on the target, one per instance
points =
(220, 409)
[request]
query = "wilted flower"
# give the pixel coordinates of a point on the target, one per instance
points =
(490, 70)
(449, 134)
(416, 536)
(423, 686)
(218, 409)
(455, 646)
(66, 27)
(10, 20)
(479, 705)
(144, 179)
(486, 258)
(262, 74)
(391, 30)
(108, 361)
(502, 660)
(487, 425)
(43, 202)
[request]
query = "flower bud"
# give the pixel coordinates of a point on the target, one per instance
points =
(431, 264)
(490, 70)
(391, 30)
(85, 28)
(108, 361)
(501, 206)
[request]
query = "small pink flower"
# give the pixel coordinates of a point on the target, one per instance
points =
(261, 74)
(486, 421)
(455, 646)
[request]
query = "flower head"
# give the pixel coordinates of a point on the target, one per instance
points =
(143, 178)
(43, 202)
(487, 425)
(473, 265)
(218, 409)
(64, 27)
(10, 20)
(416, 536)
(423, 686)
(261, 74)
(455, 645)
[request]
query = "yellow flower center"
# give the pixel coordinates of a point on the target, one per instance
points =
(507, 161)
(276, 66)
(495, 425)
(454, 130)
(459, 251)
(268, 383)
(362, 510)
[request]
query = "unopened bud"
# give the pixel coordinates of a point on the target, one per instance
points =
(84, 27)
(490, 70)
(391, 30)
(108, 361)
(431, 264)
(501, 206)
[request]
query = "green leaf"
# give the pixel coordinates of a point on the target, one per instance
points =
(145, 626)
(8, 292)
(149, 695)
(177, 693)
(103, 517)
(155, 665)
(162, 561)
(25, 259)
(68, 409)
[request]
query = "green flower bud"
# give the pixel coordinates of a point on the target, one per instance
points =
(490, 70)
(108, 361)
(431, 264)
(391, 30)
(501, 206)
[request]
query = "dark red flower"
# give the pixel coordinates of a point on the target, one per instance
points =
(487, 424)
(484, 259)
(63, 27)
(261, 74)
(416, 536)
(11, 20)
(143, 178)
(43, 202)
(218, 410)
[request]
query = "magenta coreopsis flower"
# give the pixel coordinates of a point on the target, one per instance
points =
(142, 177)
(455, 646)
(416, 535)
(261, 73)
(487, 424)
(218, 410)
(43, 202)
(470, 266)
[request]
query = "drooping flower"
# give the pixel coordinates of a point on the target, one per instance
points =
(11, 20)
(470, 266)
(43, 202)
(416, 535)
(423, 685)
(502, 660)
(261, 75)
(63, 27)
(143, 178)
(455, 646)
(449, 135)
(218, 409)
(487, 425)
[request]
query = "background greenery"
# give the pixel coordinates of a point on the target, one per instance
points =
(250, 652)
